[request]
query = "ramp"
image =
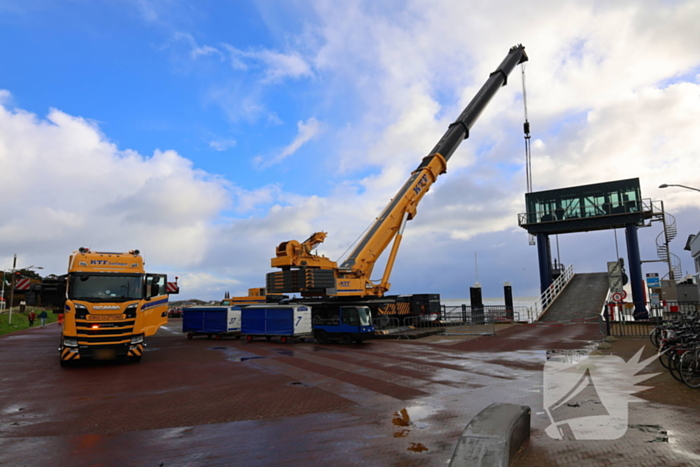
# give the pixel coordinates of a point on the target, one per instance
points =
(583, 298)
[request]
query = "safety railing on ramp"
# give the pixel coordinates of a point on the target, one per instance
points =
(545, 300)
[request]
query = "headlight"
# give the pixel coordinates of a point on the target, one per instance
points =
(80, 311)
(137, 339)
(130, 311)
(70, 342)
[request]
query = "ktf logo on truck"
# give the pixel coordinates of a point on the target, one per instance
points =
(344, 283)
(421, 183)
(104, 262)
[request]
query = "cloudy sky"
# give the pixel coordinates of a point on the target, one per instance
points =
(205, 133)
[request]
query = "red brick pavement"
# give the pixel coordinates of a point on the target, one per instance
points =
(663, 430)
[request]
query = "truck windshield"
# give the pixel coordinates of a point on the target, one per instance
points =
(357, 316)
(365, 315)
(105, 288)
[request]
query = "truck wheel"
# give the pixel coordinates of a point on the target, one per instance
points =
(345, 339)
(189, 335)
(283, 339)
(321, 337)
(135, 359)
(268, 337)
(208, 336)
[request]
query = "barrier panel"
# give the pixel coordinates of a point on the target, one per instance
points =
(638, 319)
(385, 322)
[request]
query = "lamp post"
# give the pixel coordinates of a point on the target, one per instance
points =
(12, 284)
(665, 185)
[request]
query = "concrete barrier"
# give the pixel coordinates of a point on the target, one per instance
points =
(493, 436)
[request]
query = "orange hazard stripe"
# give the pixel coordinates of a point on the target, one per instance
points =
(66, 354)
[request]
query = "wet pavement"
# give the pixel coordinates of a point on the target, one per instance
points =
(204, 402)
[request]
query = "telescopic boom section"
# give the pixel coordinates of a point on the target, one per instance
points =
(320, 276)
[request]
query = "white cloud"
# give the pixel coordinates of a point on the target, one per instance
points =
(197, 50)
(307, 131)
(277, 66)
(222, 144)
(71, 187)
(5, 96)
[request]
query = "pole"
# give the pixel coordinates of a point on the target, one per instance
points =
(12, 288)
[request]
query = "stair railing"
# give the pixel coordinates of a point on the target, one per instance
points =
(545, 300)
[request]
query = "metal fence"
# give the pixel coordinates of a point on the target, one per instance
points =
(467, 314)
(638, 319)
(456, 320)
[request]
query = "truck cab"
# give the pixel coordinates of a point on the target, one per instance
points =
(344, 323)
(111, 305)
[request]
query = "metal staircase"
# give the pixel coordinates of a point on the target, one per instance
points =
(662, 250)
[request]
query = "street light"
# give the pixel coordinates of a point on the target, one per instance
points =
(682, 186)
(12, 284)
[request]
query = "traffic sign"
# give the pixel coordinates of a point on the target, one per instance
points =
(653, 280)
(22, 284)
(615, 276)
(619, 296)
(614, 268)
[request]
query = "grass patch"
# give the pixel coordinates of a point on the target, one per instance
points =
(19, 320)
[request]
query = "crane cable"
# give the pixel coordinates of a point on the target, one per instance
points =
(526, 131)
(528, 161)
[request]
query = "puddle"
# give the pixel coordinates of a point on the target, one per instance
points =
(298, 384)
(285, 352)
(235, 355)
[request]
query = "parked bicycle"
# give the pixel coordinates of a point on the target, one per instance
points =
(678, 342)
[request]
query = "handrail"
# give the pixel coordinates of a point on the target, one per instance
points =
(545, 300)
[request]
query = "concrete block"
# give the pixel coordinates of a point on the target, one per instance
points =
(493, 436)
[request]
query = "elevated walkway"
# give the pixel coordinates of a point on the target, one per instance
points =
(583, 298)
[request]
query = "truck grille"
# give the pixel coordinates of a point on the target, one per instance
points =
(105, 332)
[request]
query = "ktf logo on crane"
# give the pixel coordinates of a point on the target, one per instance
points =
(421, 183)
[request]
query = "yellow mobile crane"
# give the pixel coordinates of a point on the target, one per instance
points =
(317, 276)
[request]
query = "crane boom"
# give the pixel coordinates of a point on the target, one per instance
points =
(313, 275)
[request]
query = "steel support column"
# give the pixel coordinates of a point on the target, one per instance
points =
(543, 257)
(634, 263)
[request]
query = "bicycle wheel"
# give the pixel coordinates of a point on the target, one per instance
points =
(690, 369)
(655, 337)
(675, 364)
(664, 355)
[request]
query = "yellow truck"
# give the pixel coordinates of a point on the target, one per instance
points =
(111, 305)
